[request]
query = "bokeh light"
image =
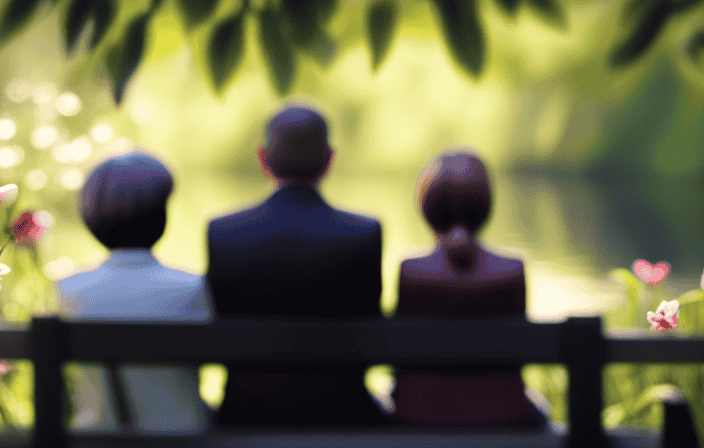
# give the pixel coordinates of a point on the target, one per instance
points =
(79, 149)
(11, 156)
(71, 179)
(35, 179)
(121, 144)
(101, 133)
(43, 93)
(68, 104)
(18, 90)
(44, 136)
(8, 128)
(60, 153)
(44, 218)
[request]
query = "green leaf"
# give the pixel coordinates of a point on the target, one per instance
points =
(463, 33)
(696, 45)
(381, 22)
(647, 30)
(225, 48)
(196, 11)
(17, 13)
(278, 51)
(123, 59)
(550, 9)
(103, 13)
(511, 6)
(301, 17)
(77, 16)
(323, 48)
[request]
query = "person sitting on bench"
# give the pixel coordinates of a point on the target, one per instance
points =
(461, 279)
(295, 256)
(123, 203)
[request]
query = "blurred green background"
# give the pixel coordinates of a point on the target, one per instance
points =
(591, 167)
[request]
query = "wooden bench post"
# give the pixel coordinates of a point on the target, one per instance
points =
(584, 350)
(47, 355)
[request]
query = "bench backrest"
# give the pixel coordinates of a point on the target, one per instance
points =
(578, 343)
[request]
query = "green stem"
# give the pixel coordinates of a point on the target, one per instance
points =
(5, 244)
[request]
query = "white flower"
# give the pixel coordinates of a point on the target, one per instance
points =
(665, 316)
(4, 269)
(8, 191)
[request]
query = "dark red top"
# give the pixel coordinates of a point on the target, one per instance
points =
(495, 287)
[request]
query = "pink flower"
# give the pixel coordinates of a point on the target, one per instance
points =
(649, 273)
(665, 317)
(28, 228)
(5, 367)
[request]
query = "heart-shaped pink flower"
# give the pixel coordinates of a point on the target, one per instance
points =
(649, 273)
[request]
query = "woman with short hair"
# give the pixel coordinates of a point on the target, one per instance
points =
(123, 203)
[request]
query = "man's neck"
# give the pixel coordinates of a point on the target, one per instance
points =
(283, 183)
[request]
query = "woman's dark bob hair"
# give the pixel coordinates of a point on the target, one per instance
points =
(455, 189)
(123, 201)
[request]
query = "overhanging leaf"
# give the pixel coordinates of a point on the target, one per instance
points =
(463, 33)
(278, 51)
(511, 6)
(647, 30)
(103, 13)
(17, 13)
(322, 48)
(225, 49)
(381, 22)
(123, 58)
(696, 45)
(77, 16)
(196, 11)
(550, 9)
(301, 17)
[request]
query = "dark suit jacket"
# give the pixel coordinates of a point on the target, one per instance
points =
(293, 255)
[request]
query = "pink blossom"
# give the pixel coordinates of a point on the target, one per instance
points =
(665, 317)
(27, 229)
(649, 273)
(5, 367)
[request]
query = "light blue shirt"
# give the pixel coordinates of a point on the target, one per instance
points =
(131, 285)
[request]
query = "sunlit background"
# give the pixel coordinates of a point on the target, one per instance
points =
(591, 167)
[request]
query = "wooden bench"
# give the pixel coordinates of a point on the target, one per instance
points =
(578, 343)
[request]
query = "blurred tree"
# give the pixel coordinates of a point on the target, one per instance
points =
(289, 26)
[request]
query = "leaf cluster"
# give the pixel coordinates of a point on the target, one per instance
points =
(289, 27)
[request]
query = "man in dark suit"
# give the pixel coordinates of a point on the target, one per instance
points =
(294, 255)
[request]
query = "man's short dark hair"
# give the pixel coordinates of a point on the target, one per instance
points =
(297, 144)
(123, 202)
(454, 189)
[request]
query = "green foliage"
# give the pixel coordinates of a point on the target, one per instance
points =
(550, 9)
(696, 45)
(511, 6)
(381, 23)
(77, 18)
(103, 13)
(196, 11)
(226, 48)
(463, 33)
(123, 58)
(279, 52)
(16, 15)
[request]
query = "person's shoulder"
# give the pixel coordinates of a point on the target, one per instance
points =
(355, 220)
(507, 266)
(234, 219)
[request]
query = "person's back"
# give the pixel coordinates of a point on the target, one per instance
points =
(294, 255)
(131, 285)
(460, 279)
